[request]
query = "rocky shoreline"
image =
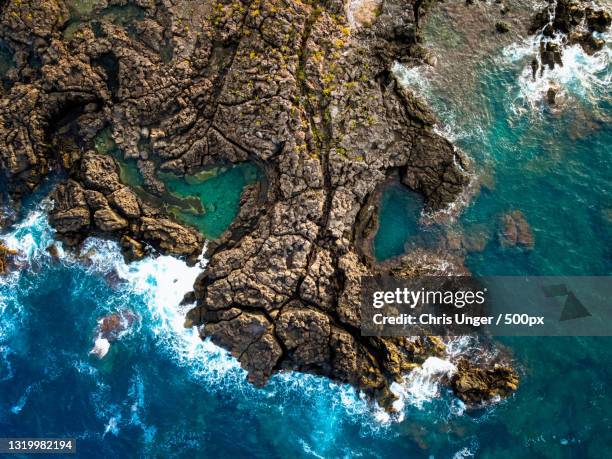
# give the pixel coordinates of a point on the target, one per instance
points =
(305, 89)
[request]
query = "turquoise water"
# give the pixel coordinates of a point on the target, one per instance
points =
(561, 181)
(128, 168)
(6, 59)
(208, 200)
(218, 191)
(161, 392)
(552, 165)
(399, 215)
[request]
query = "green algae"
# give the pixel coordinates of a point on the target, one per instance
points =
(83, 11)
(7, 60)
(82, 8)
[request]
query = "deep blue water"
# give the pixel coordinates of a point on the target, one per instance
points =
(161, 392)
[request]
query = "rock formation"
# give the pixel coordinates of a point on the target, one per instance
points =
(568, 22)
(473, 384)
(515, 231)
(6, 255)
(294, 86)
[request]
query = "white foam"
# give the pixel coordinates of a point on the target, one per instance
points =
(16, 409)
(581, 76)
(161, 283)
(467, 451)
(101, 348)
(112, 426)
(309, 450)
(28, 238)
(416, 78)
(421, 385)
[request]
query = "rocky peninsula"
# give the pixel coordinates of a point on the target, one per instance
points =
(304, 89)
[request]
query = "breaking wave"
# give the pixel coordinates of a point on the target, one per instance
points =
(582, 77)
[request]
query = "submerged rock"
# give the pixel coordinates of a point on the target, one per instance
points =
(515, 231)
(551, 95)
(112, 328)
(502, 27)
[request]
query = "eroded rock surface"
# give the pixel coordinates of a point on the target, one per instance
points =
(294, 86)
(473, 384)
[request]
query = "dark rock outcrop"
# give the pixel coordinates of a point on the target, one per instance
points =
(6, 258)
(474, 384)
(568, 22)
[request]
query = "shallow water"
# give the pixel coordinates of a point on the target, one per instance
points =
(552, 163)
(81, 11)
(208, 200)
(399, 215)
(6, 59)
(219, 192)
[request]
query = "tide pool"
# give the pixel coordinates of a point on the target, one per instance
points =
(399, 214)
(208, 200)
(218, 190)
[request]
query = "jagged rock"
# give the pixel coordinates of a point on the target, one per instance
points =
(569, 17)
(305, 334)
(112, 326)
(290, 85)
(108, 220)
(133, 249)
(589, 42)
(551, 95)
(126, 202)
(598, 20)
(474, 384)
(72, 220)
(6, 255)
(53, 251)
(248, 336)
(95, 200)
(550, 54)
(502, 27)
(172, 237)
(100, 173)
(70, 213)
